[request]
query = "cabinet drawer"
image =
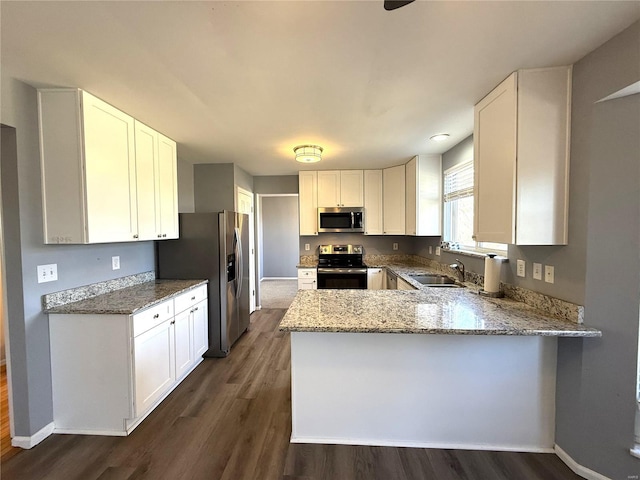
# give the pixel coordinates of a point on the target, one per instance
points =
(307, 273)
(189, 298)
(151, 317)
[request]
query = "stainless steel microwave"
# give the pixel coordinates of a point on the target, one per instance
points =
(341, 219)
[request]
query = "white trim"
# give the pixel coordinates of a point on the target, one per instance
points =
(33, 440)
(635, 451)
(578, 469)
(441, 446)
(279, 278)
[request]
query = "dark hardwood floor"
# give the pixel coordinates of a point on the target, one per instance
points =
(231, 420)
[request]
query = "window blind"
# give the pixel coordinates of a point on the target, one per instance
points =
(458, 182)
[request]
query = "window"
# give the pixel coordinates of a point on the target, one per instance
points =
(458, 209)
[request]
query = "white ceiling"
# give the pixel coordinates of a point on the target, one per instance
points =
(245, 82)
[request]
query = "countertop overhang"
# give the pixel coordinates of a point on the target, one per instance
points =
(127, 301)
(426, 310)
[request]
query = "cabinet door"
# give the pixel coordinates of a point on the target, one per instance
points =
(428, 195)
(373, 202)
(494, 152)
(146, 140)
(154, 365)
(110, 172)
(375, 278)
(404, 285)
(351, 188)
(308, 202)
(200, 329)
(183, 343)
(167, 187)
(329, 188)
(307, 284)
(411, 185)
(393, 185)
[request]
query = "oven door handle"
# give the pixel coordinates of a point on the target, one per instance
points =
(341, 271)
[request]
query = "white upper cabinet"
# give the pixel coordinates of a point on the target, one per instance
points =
(521, 159)
(340, 188)
(167, 182)
(424, 195)
(393, 187)
(373, 202)
(90, 177)
(308, 202)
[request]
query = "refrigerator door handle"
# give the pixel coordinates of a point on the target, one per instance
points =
(239, 262)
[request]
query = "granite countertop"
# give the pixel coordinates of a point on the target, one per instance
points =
(426, 310)
(128, 300)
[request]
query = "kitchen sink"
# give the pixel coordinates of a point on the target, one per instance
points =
(434, 280)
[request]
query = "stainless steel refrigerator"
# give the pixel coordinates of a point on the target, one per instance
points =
(213, 246)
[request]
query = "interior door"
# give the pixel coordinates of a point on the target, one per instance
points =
(244, 203)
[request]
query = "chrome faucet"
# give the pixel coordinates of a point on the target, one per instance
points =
(458, 267)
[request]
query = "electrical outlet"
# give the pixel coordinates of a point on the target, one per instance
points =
(307, 247)
(521, 268)
(549, 274)
(537, 271)
(430, 249)
(115, 263)
(47, 273)
(395, 246)
(437, 250)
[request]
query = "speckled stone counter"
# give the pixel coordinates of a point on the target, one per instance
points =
(128, 300)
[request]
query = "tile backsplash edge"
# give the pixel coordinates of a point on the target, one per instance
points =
(51, 300)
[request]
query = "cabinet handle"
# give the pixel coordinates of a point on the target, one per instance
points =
(164, 235)
(135, 236)
(193, 298)
(173, 322)
(157, 315)
(159, 236)
(195, 309)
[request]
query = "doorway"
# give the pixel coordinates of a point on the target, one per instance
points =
(278, 249)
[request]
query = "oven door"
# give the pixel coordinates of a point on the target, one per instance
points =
(342, 278)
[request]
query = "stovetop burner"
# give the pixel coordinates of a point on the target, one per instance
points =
(341, 256)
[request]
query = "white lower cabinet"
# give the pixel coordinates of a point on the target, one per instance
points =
(154, 366)
(376, 278)
(404, 285)
(307, 279)
(110, 371)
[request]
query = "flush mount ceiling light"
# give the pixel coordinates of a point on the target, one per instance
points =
(439, 137)
(308, 153)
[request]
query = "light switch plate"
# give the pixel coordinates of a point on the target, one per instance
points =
(549, 274)
(47, 273)
(437, 250)
(115, 263)
(430, 249)
(537, 271)
(521, 268)
(395, 246)
(307, 247)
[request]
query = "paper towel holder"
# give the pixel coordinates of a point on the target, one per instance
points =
(499, 293)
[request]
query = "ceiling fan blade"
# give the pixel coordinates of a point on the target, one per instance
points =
(393, 4)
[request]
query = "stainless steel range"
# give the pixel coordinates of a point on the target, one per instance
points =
(341, 266)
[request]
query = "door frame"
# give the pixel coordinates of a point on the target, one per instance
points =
(252, 246)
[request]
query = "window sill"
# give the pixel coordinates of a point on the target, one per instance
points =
(635, 451)
(471, 253)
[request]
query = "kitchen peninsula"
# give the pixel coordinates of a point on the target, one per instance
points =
(433, 367)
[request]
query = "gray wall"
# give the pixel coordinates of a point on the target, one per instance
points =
(186, 196)
(77, 265)
(279, 236)
(596, 378)
(214, 187)
(275, 184)
(242, 179)
(373, 244)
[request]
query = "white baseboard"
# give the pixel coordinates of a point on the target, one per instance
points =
(441, 446)
(33, 440)
(278, 278)
(578, 469)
